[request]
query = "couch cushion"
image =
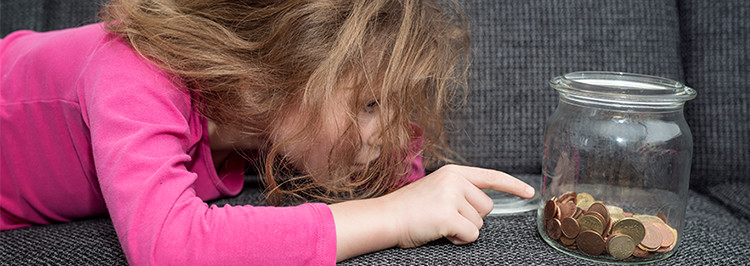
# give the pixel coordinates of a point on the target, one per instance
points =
(735, 196)
(713, 235)
(46, 15)
(520, 45)
(716, 57)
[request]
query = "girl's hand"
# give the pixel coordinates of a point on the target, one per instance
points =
(448, 203)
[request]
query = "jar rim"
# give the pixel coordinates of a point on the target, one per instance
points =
(622, 87)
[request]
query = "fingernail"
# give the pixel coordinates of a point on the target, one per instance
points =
(530, 191)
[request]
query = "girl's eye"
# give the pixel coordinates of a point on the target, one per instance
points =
(370, 107)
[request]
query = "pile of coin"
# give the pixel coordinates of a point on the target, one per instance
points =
(578, 221)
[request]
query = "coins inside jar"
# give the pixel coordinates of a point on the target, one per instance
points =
(578, 221)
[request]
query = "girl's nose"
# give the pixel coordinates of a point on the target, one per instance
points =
(375, 139)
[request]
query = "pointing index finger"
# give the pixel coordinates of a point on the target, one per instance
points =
(496, 180)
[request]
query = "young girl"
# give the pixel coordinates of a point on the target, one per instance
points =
(160, 107)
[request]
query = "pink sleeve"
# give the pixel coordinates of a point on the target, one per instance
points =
(140, 133)
(416, 170)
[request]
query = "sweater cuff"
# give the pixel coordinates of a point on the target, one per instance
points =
(326, 246)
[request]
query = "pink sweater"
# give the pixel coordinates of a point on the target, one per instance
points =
(89, 128)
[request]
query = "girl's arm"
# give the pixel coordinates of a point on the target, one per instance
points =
(141, 137)
(447, 203)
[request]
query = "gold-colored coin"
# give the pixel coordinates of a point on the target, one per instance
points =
(615, 213)
(645, 218)
(631, 227)
(584, 200)
(620, 246)
(591, 222)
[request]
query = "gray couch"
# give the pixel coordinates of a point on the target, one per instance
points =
(518, 46)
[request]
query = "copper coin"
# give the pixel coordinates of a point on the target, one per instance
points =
(662, 216)
(590, 242)
(550, 210)
(567, 209)
(554, 230)
(620, 246)
(670, 247)
(567, 242)
(566, 197)
(667, 249)
(570, 227)
(601, 209)
(640, 253)
(667, 238)
(652, 239)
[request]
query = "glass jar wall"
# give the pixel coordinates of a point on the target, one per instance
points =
(616, 167)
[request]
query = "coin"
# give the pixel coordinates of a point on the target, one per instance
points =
(645, 218)
(640, 253)
(652, 239)
(670, 247)
(590, 242)
(591, 222)
(577, 221)
(631, 227)
(550, 210)
(567, 196)
(608, 228)
(620, 246)
(553, 228)
(570, 227)
(597, 215)
(667, 238)
(615, 213)
(567, 209)
(568, 242)
(662, 216)
(601, 209)
(578, 213)
(584, 200)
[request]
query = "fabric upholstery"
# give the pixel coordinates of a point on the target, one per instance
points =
(520, 45)
(713, 236)
(716, 61)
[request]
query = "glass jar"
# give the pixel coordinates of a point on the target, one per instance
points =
(616, 167)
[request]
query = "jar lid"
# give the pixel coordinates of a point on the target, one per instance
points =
(622, 88)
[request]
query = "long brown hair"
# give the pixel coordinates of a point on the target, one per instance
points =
(244, 61)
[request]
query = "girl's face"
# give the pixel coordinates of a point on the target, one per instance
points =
(313, 158)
